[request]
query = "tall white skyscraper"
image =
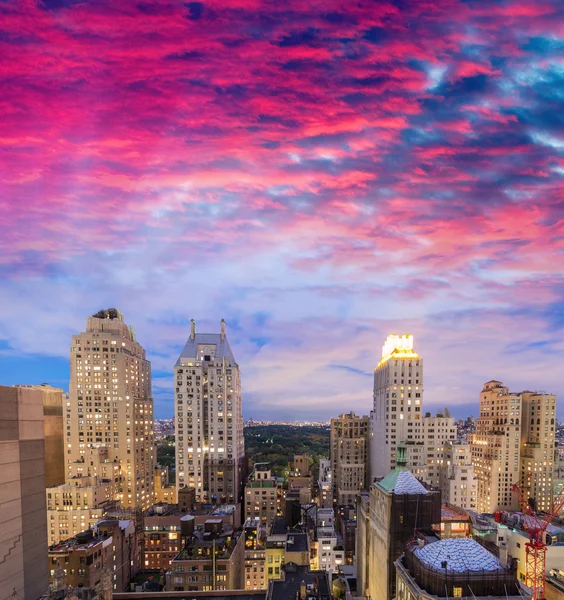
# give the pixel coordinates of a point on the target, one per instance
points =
(397, 415)
(109, 414)
(398, 396)
(210, 449)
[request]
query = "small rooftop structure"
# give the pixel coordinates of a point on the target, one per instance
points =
(204, 346)
(457, 555)
(401, 480)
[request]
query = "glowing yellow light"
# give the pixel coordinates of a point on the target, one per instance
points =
(398, 346)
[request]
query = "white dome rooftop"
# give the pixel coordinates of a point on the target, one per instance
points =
(459, 554)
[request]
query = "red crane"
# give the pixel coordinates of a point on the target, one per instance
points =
(535, 524)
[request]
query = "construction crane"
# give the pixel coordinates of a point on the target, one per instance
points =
(536, 524)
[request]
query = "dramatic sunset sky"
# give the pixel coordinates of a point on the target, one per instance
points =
(319, 173)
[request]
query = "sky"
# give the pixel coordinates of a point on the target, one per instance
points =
(319, 174)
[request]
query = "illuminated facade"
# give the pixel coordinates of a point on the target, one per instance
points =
(210, 448)
(514, 440)
(496, 448)
(456, 476)
(110, 408)
(398, 397)
(397, 415)
(537, 446)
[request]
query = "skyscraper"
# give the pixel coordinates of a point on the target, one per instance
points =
(496, 447)
(109, 416)
(210, 448)
(537, 446)
(397, 415)
(514, 440)
(398, 396)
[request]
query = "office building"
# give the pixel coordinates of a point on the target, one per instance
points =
(210, 449)
(110, 407)
(349, 456)
(23, 528)
(388, 515)
(261, 495)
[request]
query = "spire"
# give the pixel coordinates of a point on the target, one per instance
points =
(223, 326)
(192, 329)
(401, 458)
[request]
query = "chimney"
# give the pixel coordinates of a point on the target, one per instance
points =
(303, 590)
(222, 329)
(192, 329)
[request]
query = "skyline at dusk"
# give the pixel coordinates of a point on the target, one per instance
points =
(319, 175)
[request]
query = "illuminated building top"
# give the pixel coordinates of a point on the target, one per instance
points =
(398, 346)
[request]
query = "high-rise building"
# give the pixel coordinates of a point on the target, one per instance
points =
(23, 527)
(210, 449)
(514, 440)
(349, 456)
(496, 448)
(397, 415)
(537, 447)
(398, 397)
(110, 409)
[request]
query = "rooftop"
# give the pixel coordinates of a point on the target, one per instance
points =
(316, 582)
(297, 542)
(457, 555)
(201, 344)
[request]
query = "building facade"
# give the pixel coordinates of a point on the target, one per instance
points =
(23, 528)
(396, 506)
(110, 549)
(349, 456)
(76, 506)
(210, 559)
(514, 441)
(54, 432)
(456, 476)
(110, 406)
(537, 447)
(496, 448)
(398, 396)
(255, 554)
(210, 449)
